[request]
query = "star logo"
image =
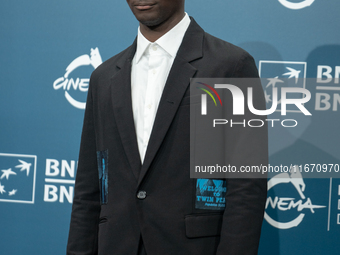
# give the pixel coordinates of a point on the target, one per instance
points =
(273, 81)
(24, 166)
(12, 193)
(282, 74)
(2, 188)
(267, 97)
(7, 173)
(293, 73)
(17, 176)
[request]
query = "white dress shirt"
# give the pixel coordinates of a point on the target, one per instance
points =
(150, 69)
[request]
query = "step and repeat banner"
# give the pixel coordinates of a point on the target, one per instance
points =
(48, 51)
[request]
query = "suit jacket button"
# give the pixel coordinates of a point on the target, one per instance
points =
(141, 194)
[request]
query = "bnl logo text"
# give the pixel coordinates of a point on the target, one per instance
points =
(238, 99)
(59, 181)
(327, 97)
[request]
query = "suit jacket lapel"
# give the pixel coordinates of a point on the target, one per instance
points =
(175, 87)
(122, 106)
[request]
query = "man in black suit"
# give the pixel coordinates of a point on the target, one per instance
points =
(133, 192)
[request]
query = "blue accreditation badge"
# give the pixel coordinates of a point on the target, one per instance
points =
(210, 194)
(102, 160)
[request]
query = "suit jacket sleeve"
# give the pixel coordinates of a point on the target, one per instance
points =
(86, 203)
(245, 198)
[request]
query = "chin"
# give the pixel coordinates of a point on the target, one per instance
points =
(150, 21)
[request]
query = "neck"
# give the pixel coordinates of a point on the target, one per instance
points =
(153, 33)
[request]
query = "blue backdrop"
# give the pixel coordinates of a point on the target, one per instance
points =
(48, 51)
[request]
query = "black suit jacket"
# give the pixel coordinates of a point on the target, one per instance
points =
(110, 214)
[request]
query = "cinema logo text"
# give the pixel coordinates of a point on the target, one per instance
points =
(66, 83)
(286, 204)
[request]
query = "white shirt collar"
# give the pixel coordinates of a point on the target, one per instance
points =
(170, 42)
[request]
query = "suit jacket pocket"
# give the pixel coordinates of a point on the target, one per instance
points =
(203, 225)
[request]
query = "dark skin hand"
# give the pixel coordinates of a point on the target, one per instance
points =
(157, 17)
